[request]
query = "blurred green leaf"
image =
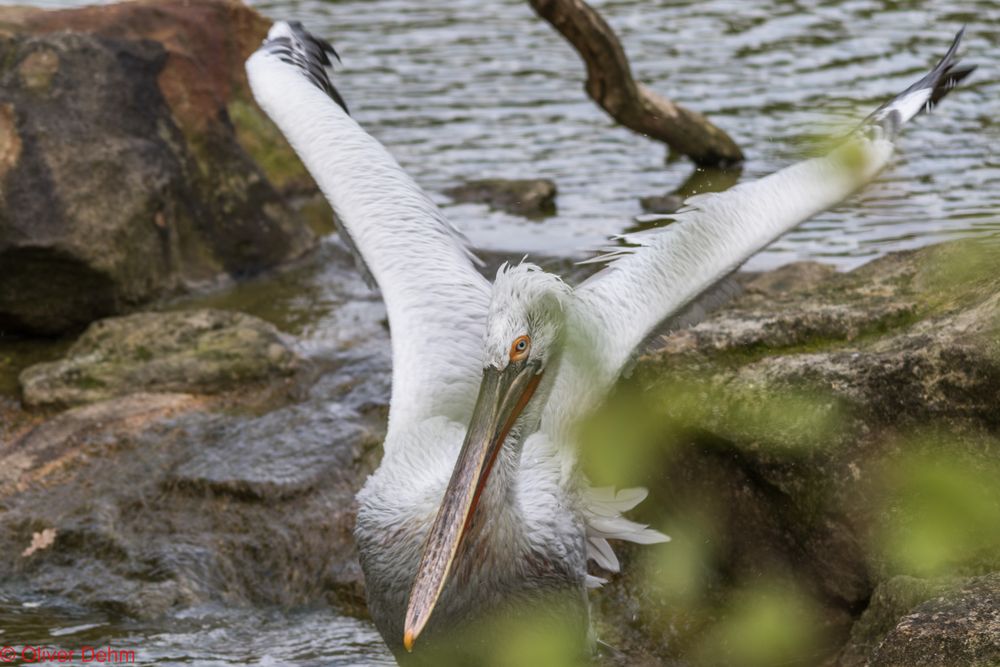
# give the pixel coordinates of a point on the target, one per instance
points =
(770, 623)
(681, 570)
(942, 512)
(770, 418)
(959, 269)
(623, 439)
(539, 637)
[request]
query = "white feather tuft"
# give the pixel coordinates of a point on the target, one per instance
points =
(603, 516)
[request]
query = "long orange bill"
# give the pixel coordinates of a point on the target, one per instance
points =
(502, 397)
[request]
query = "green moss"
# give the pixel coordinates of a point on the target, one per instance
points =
(16, 354)
(318, 215)
(959, 274)
(265, 144)
(9, 57)
(823, 343)
(38, 69)
(90, 382)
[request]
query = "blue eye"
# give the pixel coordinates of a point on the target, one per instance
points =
(519, 348)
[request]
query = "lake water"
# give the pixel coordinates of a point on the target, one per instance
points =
(206, 637)
(458, 92)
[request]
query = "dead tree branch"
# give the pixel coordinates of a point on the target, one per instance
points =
(610, 84)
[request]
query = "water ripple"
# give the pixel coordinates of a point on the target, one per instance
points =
(460, 93)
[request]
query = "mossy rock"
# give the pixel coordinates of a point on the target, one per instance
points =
(961, 627)
(892, 599)
(201, 351)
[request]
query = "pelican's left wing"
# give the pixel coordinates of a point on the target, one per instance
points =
(715, 233)
(435, 298)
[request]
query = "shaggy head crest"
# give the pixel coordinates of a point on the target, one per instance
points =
(526, 301)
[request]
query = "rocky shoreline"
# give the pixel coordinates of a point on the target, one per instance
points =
(821, 381)
(826, 443)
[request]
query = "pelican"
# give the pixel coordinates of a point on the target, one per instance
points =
(478, 509)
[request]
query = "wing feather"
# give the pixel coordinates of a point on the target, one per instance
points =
(716, 232)
(435, 298)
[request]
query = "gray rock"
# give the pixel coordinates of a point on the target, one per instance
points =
(109, 195)
(533, 197)
(279, 455)
(790, 278)
(892, 600)
(48, 450)
(961, 627)
(158, 502)
(201, 351)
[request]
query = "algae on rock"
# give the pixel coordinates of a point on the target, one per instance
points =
(201, 351)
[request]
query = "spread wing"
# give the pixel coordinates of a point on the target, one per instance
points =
(715, 233)
(435, 298)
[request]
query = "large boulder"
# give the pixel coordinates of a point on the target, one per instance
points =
(892, 600)
(204, 472)
(122, 175)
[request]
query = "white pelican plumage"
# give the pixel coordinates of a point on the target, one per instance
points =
(478, 507)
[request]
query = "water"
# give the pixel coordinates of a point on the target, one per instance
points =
(460, 92)
(207, 637)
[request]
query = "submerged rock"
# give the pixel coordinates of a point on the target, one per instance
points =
(532, 197)
(121, 175)
(200, 351)
(700, 180)
(661, 203)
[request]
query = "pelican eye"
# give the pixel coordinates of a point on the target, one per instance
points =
(519, 348)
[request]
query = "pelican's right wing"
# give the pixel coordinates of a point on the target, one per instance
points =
(435, 298)
(715, 233)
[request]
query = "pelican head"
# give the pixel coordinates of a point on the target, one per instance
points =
(523, 335)
(527, 304)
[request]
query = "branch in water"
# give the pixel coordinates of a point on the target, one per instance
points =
(610, 84)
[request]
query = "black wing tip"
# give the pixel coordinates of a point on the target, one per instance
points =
(325, 46)
(293, 44)
(947, 74)
(941, 80)
(950, 78)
